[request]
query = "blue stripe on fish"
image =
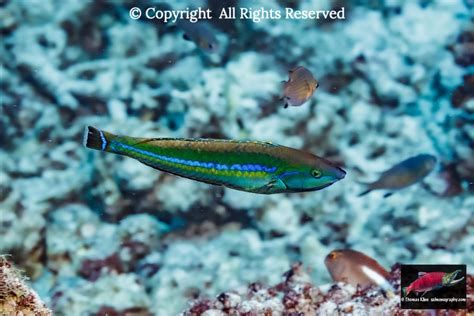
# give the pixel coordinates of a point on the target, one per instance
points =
(193, 163)
(104, 141)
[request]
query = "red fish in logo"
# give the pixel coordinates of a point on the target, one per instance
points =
(429, 281)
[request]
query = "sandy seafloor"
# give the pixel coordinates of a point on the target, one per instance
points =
(98, 233)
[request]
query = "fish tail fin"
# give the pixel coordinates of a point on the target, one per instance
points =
(369, 187)
(96, 139)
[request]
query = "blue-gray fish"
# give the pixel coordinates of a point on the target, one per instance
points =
(403, 174)
(201, 34)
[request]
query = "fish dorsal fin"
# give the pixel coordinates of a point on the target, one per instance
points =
(421, 274)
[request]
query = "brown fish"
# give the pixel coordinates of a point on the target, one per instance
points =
(355, 268)
(300, 86)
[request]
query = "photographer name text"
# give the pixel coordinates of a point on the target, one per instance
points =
(433, 299)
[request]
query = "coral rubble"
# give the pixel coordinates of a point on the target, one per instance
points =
(16, 297)
(296, 295)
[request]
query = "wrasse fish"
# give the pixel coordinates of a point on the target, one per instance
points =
(299, 87)
(403, 174)
(256, 167)
(356, 268)
(429, 281)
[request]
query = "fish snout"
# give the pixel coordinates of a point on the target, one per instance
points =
(449, 279)
(455, 274)
(339, 173)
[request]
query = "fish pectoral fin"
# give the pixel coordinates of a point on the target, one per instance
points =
(275, 185)
(424, 293)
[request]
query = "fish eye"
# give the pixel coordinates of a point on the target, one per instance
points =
(211, 46)
(316, 173)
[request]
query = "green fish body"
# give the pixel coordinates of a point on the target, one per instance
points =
(256, 167)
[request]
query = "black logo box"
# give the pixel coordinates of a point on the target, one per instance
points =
(450, 297)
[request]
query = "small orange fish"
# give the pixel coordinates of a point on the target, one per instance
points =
(300, 86)
(355, 268)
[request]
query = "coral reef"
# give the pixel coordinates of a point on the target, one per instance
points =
(395, 81)
(16, 297)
